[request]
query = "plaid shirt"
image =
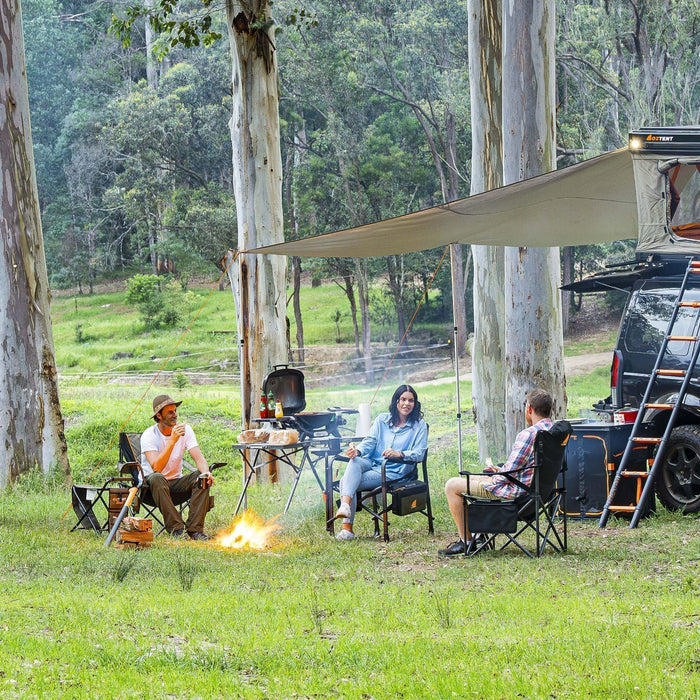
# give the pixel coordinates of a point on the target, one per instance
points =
(522, 455)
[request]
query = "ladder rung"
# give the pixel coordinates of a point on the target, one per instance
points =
(623, 509)
(662, 406)
(647, 440)
(671, 372)
(690, 304)
(683, 338)
(640, 475)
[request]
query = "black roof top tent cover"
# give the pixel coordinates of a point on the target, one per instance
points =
(670, 140)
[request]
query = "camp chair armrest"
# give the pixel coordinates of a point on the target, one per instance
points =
(132, 470)
(508, 475)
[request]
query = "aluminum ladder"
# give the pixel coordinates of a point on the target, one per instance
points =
(637, 437)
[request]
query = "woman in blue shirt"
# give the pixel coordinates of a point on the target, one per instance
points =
(399, 434)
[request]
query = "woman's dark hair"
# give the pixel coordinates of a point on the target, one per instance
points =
(415, 415)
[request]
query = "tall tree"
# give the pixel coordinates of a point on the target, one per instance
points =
(488, 358)
(534, 339)
(31, 426)
(258, 281)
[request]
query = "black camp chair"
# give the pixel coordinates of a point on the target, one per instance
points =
(405, 496)
(536, 511)
(130, 468)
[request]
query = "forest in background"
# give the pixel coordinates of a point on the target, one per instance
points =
(134, 158)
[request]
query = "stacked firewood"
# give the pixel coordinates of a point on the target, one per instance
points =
(134, 532)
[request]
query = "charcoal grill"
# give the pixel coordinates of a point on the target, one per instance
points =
(287, 386)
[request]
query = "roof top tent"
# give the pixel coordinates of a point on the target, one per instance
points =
(666, 163)
(666, 166)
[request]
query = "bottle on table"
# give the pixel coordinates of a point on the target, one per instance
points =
(279, 411)
(270, 405)
(263, 406)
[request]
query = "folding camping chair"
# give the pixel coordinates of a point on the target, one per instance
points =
(398, 497)
(130, 467)
(535, 511)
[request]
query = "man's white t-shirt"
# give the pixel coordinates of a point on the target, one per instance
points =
(153, 440)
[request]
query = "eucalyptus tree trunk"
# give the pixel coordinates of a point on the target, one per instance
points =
(459, 270)
(397, 287)
(290, 201)
(31, 426)
(488, 356)
(151, 65)
(362, 275)
(258, 281)
(349, 288)
(534, 342)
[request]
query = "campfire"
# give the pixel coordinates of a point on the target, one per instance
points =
(248, 531)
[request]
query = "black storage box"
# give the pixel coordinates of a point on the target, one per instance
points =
(410, 497)
(593, 455)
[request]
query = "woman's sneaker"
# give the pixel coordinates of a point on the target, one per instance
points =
(345, 534)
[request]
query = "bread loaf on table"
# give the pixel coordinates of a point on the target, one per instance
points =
(284, 437)
(257, 435)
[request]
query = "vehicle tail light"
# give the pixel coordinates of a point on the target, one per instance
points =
(616, 378)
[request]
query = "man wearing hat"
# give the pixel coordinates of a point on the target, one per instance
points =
(163, 446)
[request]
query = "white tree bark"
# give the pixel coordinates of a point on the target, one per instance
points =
(258, 281)
(488, 359)
(31, 426)
(534, 339)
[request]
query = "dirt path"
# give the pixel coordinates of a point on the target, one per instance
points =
(583, 364)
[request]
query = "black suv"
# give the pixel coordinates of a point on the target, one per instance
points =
(642, 330)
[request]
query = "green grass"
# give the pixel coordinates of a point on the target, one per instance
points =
(311, 617)
(599, 342)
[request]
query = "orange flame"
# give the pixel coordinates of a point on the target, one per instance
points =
(248, 531)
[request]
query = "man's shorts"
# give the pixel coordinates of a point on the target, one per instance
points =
(476, 486)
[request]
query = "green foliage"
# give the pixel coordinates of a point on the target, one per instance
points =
(302, 17)
(383, 314)
(130, 172)
(161, 302)
(180, 380)
(165, 18)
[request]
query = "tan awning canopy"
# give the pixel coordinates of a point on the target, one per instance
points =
(591, 202)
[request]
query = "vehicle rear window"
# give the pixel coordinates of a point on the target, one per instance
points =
(648, 320)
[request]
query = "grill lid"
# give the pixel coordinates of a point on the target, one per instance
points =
(287, 386)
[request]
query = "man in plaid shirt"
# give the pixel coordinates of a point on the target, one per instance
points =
(538, 407)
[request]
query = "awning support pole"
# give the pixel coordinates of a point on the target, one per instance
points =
(459, 400)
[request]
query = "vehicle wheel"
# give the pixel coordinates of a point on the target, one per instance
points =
(678, 482)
